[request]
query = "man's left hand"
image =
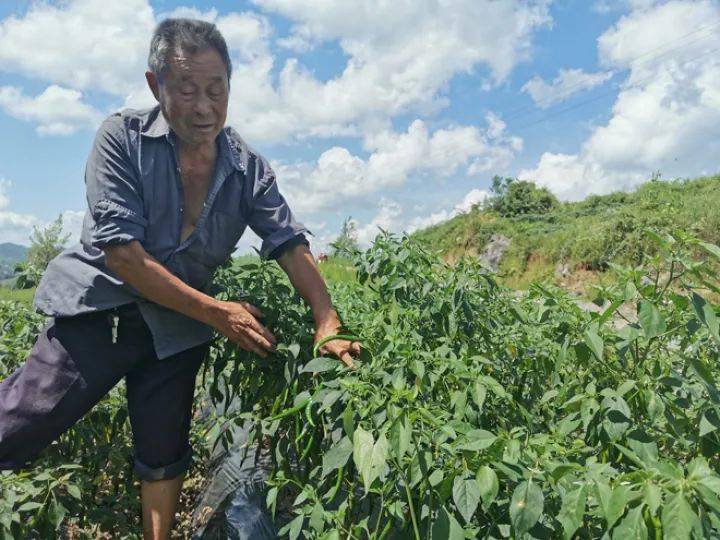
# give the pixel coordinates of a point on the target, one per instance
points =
(340, 348)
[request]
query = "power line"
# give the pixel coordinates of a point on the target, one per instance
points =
(604, 94)
(631, 64)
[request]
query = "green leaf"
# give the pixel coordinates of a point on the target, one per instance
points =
(320, 365)
(651, 320)
(655, 405)
(271, 498)
(488, 484)
(446, 527)
(712, 249)
(706, 315)
(612, 502)
(466, 495)
(379, 456)
(74, 491)
(709, 422)
(617, 417)
(317, 521)
(494, 386)
(572, 510)
(652, 495)
(57, 513)
(479, 393)
(337, 456)
(594, 343)
(526, 507)
(643, 445)
(632, 527)
(293, 528)
(400, 436)
(678, 518)
(436, 477)
(547, 396)
(477, 439)
(363, 442)
(370, 457)
(28, 506)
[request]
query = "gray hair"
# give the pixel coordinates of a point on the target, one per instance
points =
(186, 35)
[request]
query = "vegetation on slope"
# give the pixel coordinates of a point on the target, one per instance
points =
(585, 235)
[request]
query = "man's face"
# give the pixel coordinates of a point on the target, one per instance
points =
(193, 96)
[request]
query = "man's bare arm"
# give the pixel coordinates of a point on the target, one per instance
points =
(236, 320)
(299, 265)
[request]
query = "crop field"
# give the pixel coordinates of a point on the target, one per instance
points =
(474, 411)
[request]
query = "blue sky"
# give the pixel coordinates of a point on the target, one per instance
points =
(397, 114)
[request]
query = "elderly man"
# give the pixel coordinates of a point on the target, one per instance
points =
(170, 191)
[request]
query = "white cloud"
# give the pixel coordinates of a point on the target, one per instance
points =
(56, 111)
(568, 83)
(14, 227)
(340, 177)
(604, 6)
(401, 57)
(89, 45)
(81, 44)
(666, 117)
(391, 217)
(387, 218)
(72, 225)
(475, 197)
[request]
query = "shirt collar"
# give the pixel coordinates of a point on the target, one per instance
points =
(156, 126)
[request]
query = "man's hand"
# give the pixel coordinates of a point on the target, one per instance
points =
(238, 322)
(340, 348)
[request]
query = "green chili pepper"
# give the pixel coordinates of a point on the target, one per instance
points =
(289, 412)
(307, 448)
(308, 413)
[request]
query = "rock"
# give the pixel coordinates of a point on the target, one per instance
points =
(494, 251)
(562, 270)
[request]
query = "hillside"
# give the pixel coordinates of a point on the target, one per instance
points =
(573, 244)
(10, 255)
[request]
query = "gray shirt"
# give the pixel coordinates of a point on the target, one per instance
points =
(134, 192)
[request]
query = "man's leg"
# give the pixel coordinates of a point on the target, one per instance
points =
(72, 366)
(160, 401)
(159, 504)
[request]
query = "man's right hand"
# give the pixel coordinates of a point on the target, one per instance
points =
(238, 322)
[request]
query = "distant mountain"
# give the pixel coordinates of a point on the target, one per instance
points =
(10, 255)
(13, 252)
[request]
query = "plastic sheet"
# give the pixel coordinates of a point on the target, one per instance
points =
(233, 504)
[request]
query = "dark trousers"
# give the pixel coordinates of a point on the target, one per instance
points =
(74, 364)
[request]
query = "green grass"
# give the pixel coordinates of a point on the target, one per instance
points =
(21, 295)
(337, 270)
(585, 235)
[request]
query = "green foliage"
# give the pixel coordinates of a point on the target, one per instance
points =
(475, 412)
(337, 269)
(585, 235)
(346, 243)
(513, 197)
(45, 245)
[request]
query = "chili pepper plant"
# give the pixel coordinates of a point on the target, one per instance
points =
(478, 412)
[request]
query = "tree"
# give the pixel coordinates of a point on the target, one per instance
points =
(512, 197)
(346, 242)
(45, 245)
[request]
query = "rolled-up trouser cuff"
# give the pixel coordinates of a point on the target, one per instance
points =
(163, 473)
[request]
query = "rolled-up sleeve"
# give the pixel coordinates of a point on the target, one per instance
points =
(113, 188)
(271, 218)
